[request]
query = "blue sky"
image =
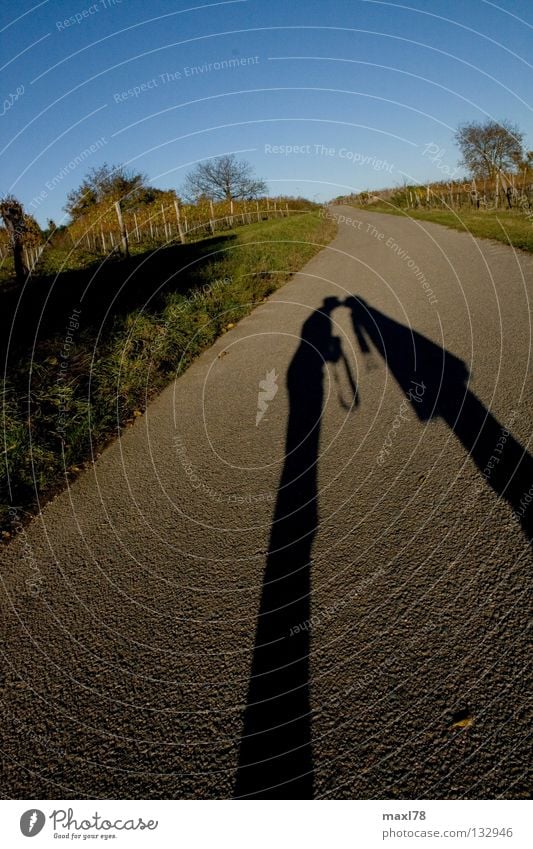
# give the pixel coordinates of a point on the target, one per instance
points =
(326, 97)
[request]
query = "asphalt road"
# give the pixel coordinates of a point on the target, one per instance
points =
(163, 637)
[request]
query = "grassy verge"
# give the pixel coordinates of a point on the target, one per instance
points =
(87, 350)
(513, 228)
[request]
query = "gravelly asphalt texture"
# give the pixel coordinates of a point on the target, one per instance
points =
(390, 659)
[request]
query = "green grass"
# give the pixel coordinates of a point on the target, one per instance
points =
(55, 417)
(508, 226)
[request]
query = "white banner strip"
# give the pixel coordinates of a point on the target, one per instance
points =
(268, 825)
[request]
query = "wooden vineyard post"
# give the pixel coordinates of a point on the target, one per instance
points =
(212, 219)
(178, 219)
(123, 232)
(473, 194)
(164, 221)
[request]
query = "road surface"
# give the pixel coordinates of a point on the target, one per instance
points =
(305, 570)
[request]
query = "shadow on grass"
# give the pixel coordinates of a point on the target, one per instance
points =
(41, 309)
(82, 350)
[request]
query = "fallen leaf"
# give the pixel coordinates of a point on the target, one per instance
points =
(463, 723)
(462, 718)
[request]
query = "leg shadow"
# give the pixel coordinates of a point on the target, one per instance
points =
(275, 760)
(436, 383)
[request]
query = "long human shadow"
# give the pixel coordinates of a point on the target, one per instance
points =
(275, 759)
(436, 383)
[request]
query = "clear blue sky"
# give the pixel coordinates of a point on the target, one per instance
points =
(374, 83)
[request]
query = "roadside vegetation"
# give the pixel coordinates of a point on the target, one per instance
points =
(508, 226)
(115, 211)
(86, 349)
(495, 201)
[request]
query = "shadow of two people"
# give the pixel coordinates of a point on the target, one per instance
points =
(275, 759)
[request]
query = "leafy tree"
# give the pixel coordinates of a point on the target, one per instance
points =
(52, 232)
(490, 147)
(108, 182)
(225, 178)
(527, 161)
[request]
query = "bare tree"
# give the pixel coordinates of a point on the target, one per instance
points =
(13, 215)
(489, 148)
(225, 178)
